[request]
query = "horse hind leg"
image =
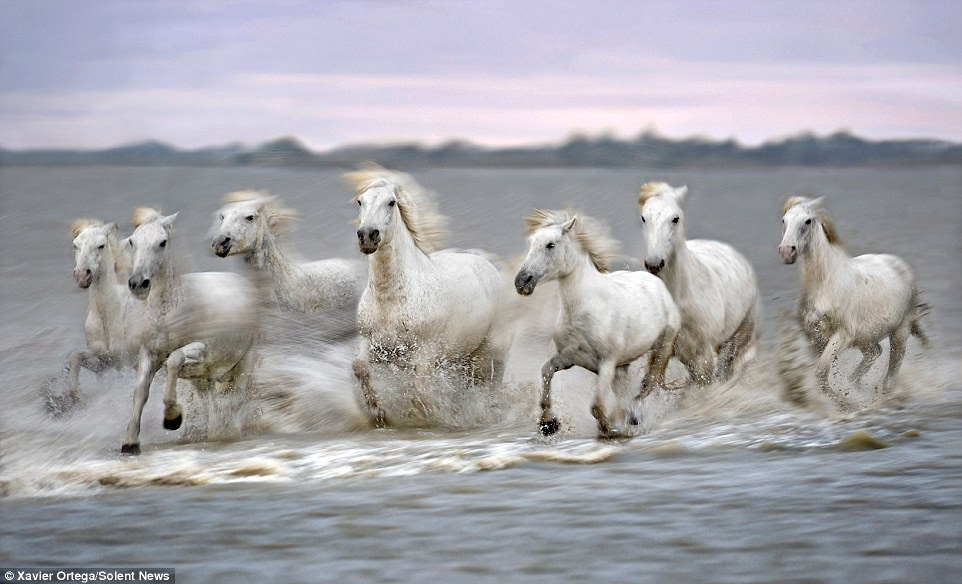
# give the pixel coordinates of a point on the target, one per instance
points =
(897, 344)
(186, 356)
(599, 408)
(658, 357)
(869, 354)
(735, 347)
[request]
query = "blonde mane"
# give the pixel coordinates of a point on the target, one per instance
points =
(279, 218)
(590, 233)
(144, 215)
(831, 233)
(417, 205)
(650, 190)
(84, 223)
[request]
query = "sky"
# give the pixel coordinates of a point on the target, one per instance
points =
(94, 74)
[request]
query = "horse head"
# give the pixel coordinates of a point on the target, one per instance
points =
(91, 246)
(662, 213)
(799, 221)
(148, 249)
(239, 225)
(549, 255)
(377, 216)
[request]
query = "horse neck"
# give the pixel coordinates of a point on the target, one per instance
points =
(824, 263)
(267, 256)
(107, 294)
(679, 266)
(395, 264)
(166, 290)
(576, 286)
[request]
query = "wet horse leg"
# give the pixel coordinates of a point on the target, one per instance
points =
(548, 424)
(823, 367)
(186, 356)
(869, 354)
(599, 408)
(146, 368)
(362, 371)
(897, 343)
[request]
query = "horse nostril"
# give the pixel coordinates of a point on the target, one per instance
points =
(145, 284)
(360, 235)
(375, 235)
(661, 264)
(131, 284)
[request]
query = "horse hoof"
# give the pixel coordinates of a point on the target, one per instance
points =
(130, 449)
(549, 427)
(173, 423)
(379, 420)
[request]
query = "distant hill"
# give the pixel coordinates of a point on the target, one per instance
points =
(647, 150)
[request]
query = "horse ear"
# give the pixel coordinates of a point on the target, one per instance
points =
(168, 221)
(567, 225)
(681, 193)
(817, 202)
(110, 229)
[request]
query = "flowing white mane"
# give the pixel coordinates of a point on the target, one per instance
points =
(590, 233)
(417, 205)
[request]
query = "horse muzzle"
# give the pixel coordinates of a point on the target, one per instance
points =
(524, 283)
(368, 240)
(83, 277)
(654, 265)
(139, 287)
(221, 246)
(789, 253)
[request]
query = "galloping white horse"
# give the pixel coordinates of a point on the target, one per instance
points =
(607, 320)
(422, 308)
(713, 285)
(845, 301)
(114, 318)
(249, 224)
(201, 325)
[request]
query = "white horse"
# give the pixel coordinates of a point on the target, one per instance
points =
(114, 318)
(845, 301)
(607, 320)
(249, 224)
(713, 285)
(201, 326)
(422, 308)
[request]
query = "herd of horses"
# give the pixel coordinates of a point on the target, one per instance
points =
(419, 307)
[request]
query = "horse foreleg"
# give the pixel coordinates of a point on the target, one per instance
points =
(147, 366)
(869, 355)
(548, 424)
(897, 343)
(362, 371)
(823, 367)
(192, 354)
(599, 408)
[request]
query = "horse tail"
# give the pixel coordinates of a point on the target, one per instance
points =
(921, 309)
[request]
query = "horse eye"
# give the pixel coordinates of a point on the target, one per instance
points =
(221, 216)
(392, 203)
(250, 217)
(359, 202)
(163, 243)
(642, 219)
(101, 246)
(808, 222)
(675, 220)
(550, 245)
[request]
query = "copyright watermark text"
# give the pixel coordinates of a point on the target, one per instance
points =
(85, 575)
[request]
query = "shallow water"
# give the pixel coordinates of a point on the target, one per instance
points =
(727, 484)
